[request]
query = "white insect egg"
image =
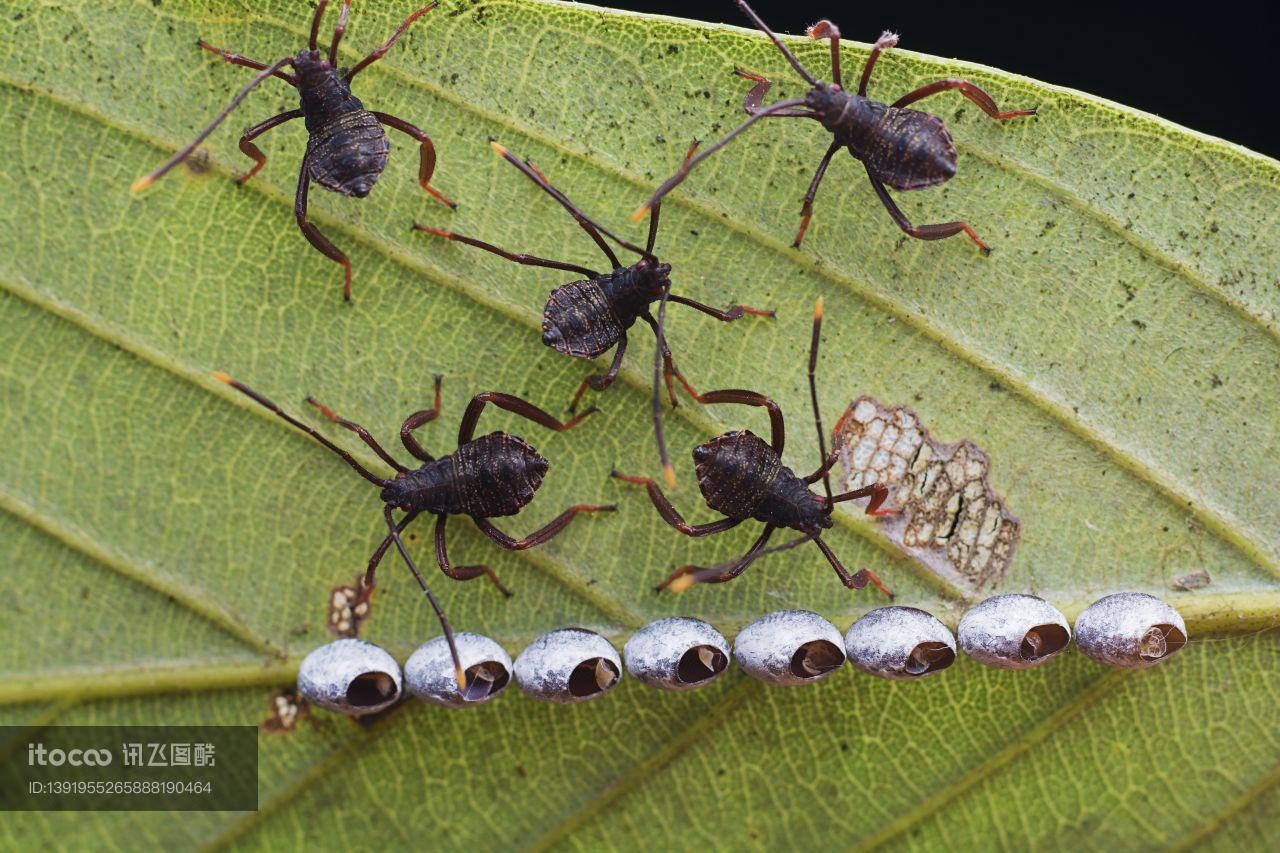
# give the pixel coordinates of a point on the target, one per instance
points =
(677, 654)
(568, 665)
(486, 666)
(350, 676)
(789, 647)
(1130, 629)
(899, 643)
(1013, 631)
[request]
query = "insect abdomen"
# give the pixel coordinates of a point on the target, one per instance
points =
(495, 475)
(578, 320)
(735, 471)
(910, 150)
(347, 154)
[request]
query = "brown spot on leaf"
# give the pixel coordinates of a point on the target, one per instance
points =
(287, 710)
(951, 521)
(349, 607)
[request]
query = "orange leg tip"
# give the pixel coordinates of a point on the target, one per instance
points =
(141, 184)
(640, 213)
(818, 308)
(502, 152)
(462, 679)
(681, 583)
(223, 378)
(439, 232)
(669, 473)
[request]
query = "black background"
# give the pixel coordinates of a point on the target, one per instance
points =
(1213, 67)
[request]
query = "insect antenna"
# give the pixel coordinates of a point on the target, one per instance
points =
(593, 228)
(435, 605)
(659, 362)
(315, 24)
(818, 309)
(147, 180)
(683, 172)
(764, 28)
(281, 413)
(338, 32)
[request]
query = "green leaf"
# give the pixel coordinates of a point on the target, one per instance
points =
(170, 546)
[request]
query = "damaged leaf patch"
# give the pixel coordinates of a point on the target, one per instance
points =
(951, 520)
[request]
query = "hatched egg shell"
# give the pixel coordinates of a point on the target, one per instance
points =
(568, 665)
(1129, 630)
(1013, 631)
(899, 643)
(350, 676)
(429, 672)
(789, 647)
(677, 653)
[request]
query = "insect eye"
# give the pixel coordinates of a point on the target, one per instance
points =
(900, 643)
(677, 654)
(351, 677)
(789, 647)
(1130, 630)
(1013, 632)
(569, 665)
(486, 666)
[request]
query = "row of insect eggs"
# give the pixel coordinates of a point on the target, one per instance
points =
(787, 647)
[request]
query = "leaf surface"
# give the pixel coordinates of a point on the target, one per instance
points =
(171, 546)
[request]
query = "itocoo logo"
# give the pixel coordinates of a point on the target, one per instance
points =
(38, 754)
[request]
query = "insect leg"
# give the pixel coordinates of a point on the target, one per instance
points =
(339, 31)
(806, 209)
(686, 576)
(426, 158)
(823, 469)
(886, 41)
(878, 494)
(237, 59)
(671, 515)
(777, 429)
(462, 573)
(416, 420)
(382, 549)
(826, 29)
(358, 430)
(313, 234)
(435, 605)
(752, 103)
(923, 232)
(513, 404)
(984, 101)
(669, 368)
(733, 312)
(602, 381)
(386, 45)
(527, 260)
(548, 531)
(853, 581)
(254, 152)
